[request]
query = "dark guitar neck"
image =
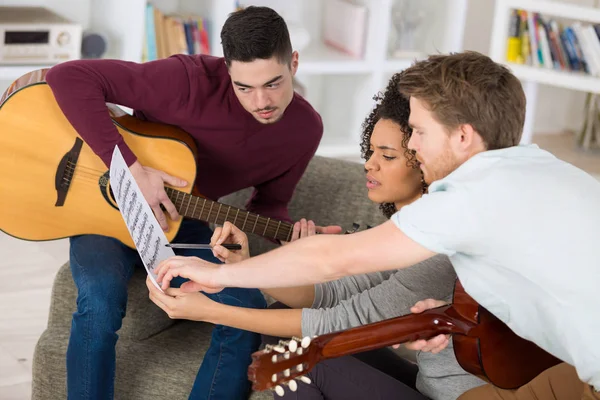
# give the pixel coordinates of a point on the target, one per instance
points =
(271, 366)
(210, 211)
(402, 329)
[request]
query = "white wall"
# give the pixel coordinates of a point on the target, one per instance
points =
(557, 109)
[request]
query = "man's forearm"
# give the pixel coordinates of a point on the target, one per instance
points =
(81, 91)
(294, 297)
(276, 322)
(323, 258)
(306, 259)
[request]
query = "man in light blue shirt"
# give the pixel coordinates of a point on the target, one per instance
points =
(521, 227)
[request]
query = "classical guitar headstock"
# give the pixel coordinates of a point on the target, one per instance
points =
(283, 363)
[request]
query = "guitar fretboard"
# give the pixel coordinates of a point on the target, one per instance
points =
(210, 211)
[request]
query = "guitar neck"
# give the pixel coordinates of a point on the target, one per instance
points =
(211, 211)
(441, 320)
(273, 366)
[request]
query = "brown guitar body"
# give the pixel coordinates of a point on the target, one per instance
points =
(484, 346)
(496, 354)
(54, 186)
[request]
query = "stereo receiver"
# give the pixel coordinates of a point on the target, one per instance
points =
(36, 35)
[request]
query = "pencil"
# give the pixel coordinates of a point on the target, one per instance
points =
(202, 246)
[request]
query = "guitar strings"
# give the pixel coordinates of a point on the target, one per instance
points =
(259, 223)
(219, 213)
(83, 167)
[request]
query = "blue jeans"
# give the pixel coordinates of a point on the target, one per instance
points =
(101, 268)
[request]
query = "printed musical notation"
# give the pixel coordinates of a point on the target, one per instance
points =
(143, 227)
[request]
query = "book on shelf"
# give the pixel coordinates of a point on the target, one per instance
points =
(544, 42)
(345, 26)
(171, 34)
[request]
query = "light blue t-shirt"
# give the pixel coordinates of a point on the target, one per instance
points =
(522, 230)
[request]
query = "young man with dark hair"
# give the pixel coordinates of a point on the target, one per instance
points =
(519, 225)
(240, 110)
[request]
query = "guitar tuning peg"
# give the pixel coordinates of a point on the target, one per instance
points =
(293, 385)
(279, 390)
(305, 379)
(293, 345)
(268, 348)
(305, 342)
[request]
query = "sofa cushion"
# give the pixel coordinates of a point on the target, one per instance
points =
(161, 367)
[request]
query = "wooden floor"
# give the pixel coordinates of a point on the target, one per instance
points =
(563, 147)
(29, 268)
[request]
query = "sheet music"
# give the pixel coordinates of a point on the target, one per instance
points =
(148, 236)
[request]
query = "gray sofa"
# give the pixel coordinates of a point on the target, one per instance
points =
(157, 358)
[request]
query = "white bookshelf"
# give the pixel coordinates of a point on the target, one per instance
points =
(339, 87)
(564, 79)
(320, 59)
(530, 76)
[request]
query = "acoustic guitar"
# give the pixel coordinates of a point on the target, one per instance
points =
(54, 186)
(483, 345)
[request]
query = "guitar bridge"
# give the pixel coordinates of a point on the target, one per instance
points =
(65, 171)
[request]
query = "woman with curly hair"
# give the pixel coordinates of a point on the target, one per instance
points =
(394, 180)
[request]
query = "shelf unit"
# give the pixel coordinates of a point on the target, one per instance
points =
(340, 87)
(9, 73)
(568, 80)
(532, 77)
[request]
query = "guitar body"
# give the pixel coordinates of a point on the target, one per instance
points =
(46, 195)
(496, 354)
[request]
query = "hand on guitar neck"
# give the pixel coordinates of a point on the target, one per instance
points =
(304, 228)
(229, 233)
(435, 344)
(152, 185)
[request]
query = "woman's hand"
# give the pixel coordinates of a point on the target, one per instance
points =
(180, 305)
(435, 344)
(231, 234)
(304, 228)
(201, 274)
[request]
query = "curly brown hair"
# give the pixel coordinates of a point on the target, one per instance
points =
(394, 106)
